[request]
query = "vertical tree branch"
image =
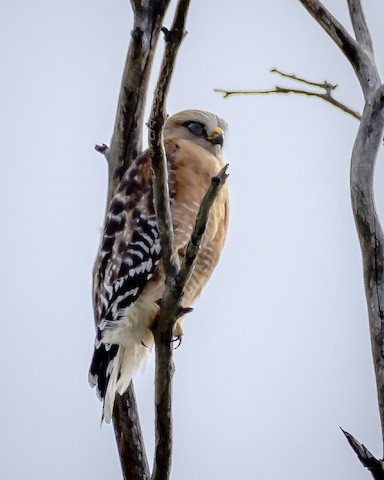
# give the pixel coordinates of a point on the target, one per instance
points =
(360, 26)
(171, 309)
(168, 314)
(368, 141)
(129, 437)
(367, 144)
(173, 39)
(126, 143)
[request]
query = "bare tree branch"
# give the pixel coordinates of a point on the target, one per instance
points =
(367, 144)
(126, 141)
(360, 27)
(135, 4)
(131, 447)
(368, 141)
(326, 96)
(170, 310)
(193, 247)
(125, 145)
(173, 39)
(328, 87)
(376, 467)
(103, 149)
(360, 60)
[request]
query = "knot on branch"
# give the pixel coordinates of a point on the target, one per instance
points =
(137, 34)
(156, 121)
(173, 36)
(155, 127)
(167, 34)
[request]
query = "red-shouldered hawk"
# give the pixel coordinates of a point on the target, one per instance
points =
(129, 279)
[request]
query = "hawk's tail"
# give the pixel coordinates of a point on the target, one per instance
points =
(112, 369)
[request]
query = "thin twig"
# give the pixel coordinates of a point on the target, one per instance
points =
(325, 85)
(327, 96)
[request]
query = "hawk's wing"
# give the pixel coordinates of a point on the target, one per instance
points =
(128, 255)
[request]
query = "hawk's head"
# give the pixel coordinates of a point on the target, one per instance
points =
(204, 128)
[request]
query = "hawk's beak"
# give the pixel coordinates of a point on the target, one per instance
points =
(217, 137)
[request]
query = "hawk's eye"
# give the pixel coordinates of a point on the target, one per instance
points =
(196, 128)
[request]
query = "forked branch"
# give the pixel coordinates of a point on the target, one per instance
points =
(326, 95)
(361, 61)
(360, 26)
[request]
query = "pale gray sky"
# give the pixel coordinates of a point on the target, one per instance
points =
(276, 354)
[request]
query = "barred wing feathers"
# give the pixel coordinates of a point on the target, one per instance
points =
(127, 258)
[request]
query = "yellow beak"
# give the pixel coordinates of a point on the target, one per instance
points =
(217, 136)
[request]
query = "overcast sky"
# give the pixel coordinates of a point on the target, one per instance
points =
(276, 355)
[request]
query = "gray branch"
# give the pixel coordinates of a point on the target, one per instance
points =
(360, 60)
(169, 307)
(126, 143)
(173, 39)
(376, 467)
(360, 26)
(129, 437)
(193, 247)
(367, 144)
(368, 141)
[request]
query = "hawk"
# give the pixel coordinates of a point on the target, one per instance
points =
(129, 277)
